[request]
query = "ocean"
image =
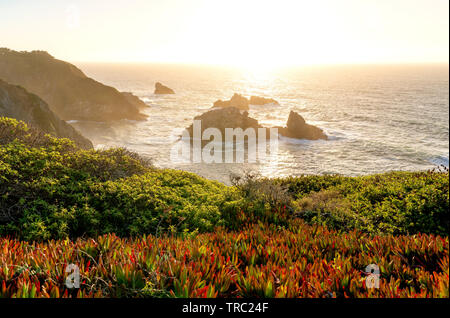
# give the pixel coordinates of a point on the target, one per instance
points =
(378, 118)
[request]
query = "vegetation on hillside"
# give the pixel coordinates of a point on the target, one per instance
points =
(138, 231)
(256, 261)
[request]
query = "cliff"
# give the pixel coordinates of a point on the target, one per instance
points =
(69, 93)
(16, 102)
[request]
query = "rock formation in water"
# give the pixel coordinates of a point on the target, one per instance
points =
(256, 100)
(161, 89)
(238, 101)
(221, 118)
(297, 127)
(69, 93)
(16, 102)
(231, 117)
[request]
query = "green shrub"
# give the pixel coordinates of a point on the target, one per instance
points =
(51, 189)
(261, 201)
(395, 202)
(15, 130)
(53, 192)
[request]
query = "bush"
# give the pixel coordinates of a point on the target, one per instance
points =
(395, 203)
(51, 189)
(15, 130)
(261, 200)
(327, 207)
(58, 191)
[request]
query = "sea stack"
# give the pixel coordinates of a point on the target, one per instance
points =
(297, 127)
(237, 101)
(222, 118)
(256, 100)
(160, 89)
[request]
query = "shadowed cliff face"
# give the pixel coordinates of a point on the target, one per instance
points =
(16, 102)
(68, 92)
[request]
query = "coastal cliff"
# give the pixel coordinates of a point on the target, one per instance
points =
(16, 102)
(69, 93)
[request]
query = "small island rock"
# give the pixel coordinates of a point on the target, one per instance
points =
(257, 100)
(221, 118)
(161, 89)
(297, 127)
(237, 101)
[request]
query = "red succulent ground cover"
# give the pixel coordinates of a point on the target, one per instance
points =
(259, 260)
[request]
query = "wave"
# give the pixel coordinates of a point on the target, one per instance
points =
(439, 160)
(298, 141)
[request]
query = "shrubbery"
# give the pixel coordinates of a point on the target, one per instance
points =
(51, 189)
(58, 191)
(395, 203)
(257, 240)
(389, 203)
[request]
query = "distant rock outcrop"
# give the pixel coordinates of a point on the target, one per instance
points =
(297, 127)
(161, 89)
(16, 102)
(69, 93)
(237, 101)
(256, 100)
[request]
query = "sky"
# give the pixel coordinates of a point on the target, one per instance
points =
(230, 32)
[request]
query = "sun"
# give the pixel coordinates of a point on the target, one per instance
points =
(256, 34)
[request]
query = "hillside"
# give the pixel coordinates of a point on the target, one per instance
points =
(138, 231)
(17, 103)
(65, 88)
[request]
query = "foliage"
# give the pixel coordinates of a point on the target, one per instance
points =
(292, 237)
(58, 191)
(389, 203)
(395, 202)
(51, 189)
(257, 261)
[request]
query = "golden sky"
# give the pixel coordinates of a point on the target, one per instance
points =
(231, 32)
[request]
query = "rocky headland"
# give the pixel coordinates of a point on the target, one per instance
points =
(16, 102)
(69, 93)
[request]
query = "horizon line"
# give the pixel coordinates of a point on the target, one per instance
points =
(231, 65)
